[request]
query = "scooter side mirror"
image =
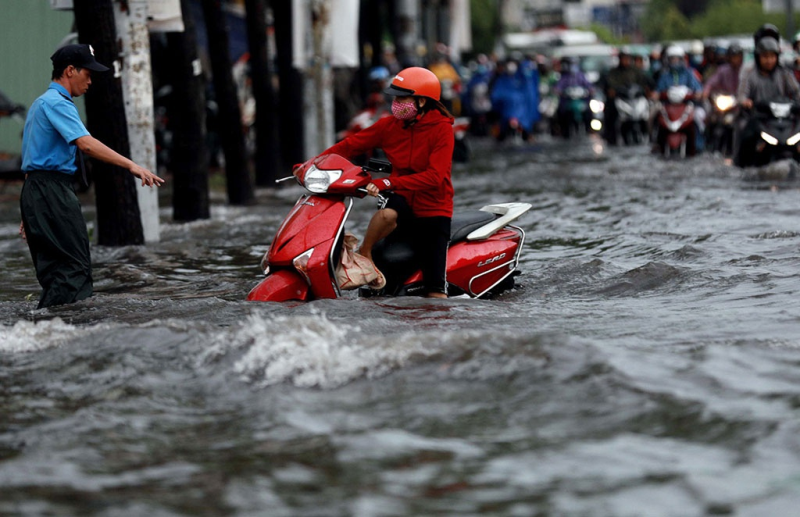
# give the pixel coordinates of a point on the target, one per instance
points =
(376, 165)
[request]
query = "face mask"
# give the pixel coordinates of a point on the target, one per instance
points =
(404, 109)
(574, 69)
(511, 68)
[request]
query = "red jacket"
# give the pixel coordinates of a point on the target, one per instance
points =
(421, 157)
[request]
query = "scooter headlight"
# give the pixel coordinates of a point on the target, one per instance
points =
(318, 180)
(300, 263)
(596, 106)
(771, 140)
(793, 140)
(724, 102)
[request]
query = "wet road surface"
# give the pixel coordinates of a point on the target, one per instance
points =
(648, 363)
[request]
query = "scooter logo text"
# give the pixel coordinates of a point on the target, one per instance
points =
(491, 260)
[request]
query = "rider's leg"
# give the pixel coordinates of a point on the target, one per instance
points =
(433, 240)
(380, 226)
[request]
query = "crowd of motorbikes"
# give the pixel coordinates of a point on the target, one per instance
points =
(677, 121)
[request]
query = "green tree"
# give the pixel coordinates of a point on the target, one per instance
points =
(606, 35)
(664, 21)
(735, 17)
(485, 24)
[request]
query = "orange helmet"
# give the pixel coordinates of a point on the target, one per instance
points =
(417, 81)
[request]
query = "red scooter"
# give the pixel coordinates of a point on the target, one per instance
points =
(302, 261)
(676, 131)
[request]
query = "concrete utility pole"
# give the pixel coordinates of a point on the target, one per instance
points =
(137, 88)
(790, 20)
(319, 83)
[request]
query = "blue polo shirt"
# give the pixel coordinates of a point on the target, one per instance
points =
(51, 128)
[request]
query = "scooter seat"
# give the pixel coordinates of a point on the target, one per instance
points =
(464, 223)
(397, 249)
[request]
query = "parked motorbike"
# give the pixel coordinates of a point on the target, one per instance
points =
(675, 121)
(720, 123)
(633, 113)
(777, 125)
(302, 260)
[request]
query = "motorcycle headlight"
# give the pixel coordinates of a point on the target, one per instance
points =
(596, 106)
(300, 263)
(771, 140)
(724, 102)
(794, 139)
(780, 109)
(318, 180)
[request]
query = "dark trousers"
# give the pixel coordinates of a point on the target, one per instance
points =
(430, 238)
(57, 237)
(433, 239)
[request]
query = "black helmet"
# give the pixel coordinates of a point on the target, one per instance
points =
(768, 44)
(735, 50)
(766, 31)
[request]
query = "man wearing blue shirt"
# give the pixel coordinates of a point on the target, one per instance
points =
(52, 222)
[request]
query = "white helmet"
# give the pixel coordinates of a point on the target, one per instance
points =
(675, 51)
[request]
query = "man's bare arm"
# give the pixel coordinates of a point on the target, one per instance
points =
(94, 148)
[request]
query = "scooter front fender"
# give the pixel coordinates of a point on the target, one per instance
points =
(280, 286)
(674, 140)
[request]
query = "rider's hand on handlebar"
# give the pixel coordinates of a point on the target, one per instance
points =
(373, 190)
(747, 104)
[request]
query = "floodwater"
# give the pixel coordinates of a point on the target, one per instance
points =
(648, 363)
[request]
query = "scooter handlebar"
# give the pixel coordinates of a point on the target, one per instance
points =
(381, 198)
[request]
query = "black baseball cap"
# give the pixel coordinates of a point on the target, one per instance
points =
(79, 56)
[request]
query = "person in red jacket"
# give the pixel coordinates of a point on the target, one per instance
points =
(418, 141)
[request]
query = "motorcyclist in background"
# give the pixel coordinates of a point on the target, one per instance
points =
(571, 77)
(720, 91)
(678, 74)
(767, 30)
(476, 101)
(623, 76)
(726, 79)
(767, 81)
(515, 100)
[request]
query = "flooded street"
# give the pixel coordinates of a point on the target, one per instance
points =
(648, 363)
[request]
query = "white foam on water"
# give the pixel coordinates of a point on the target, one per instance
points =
(28, 336)
(313, 351)
(310, 351)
